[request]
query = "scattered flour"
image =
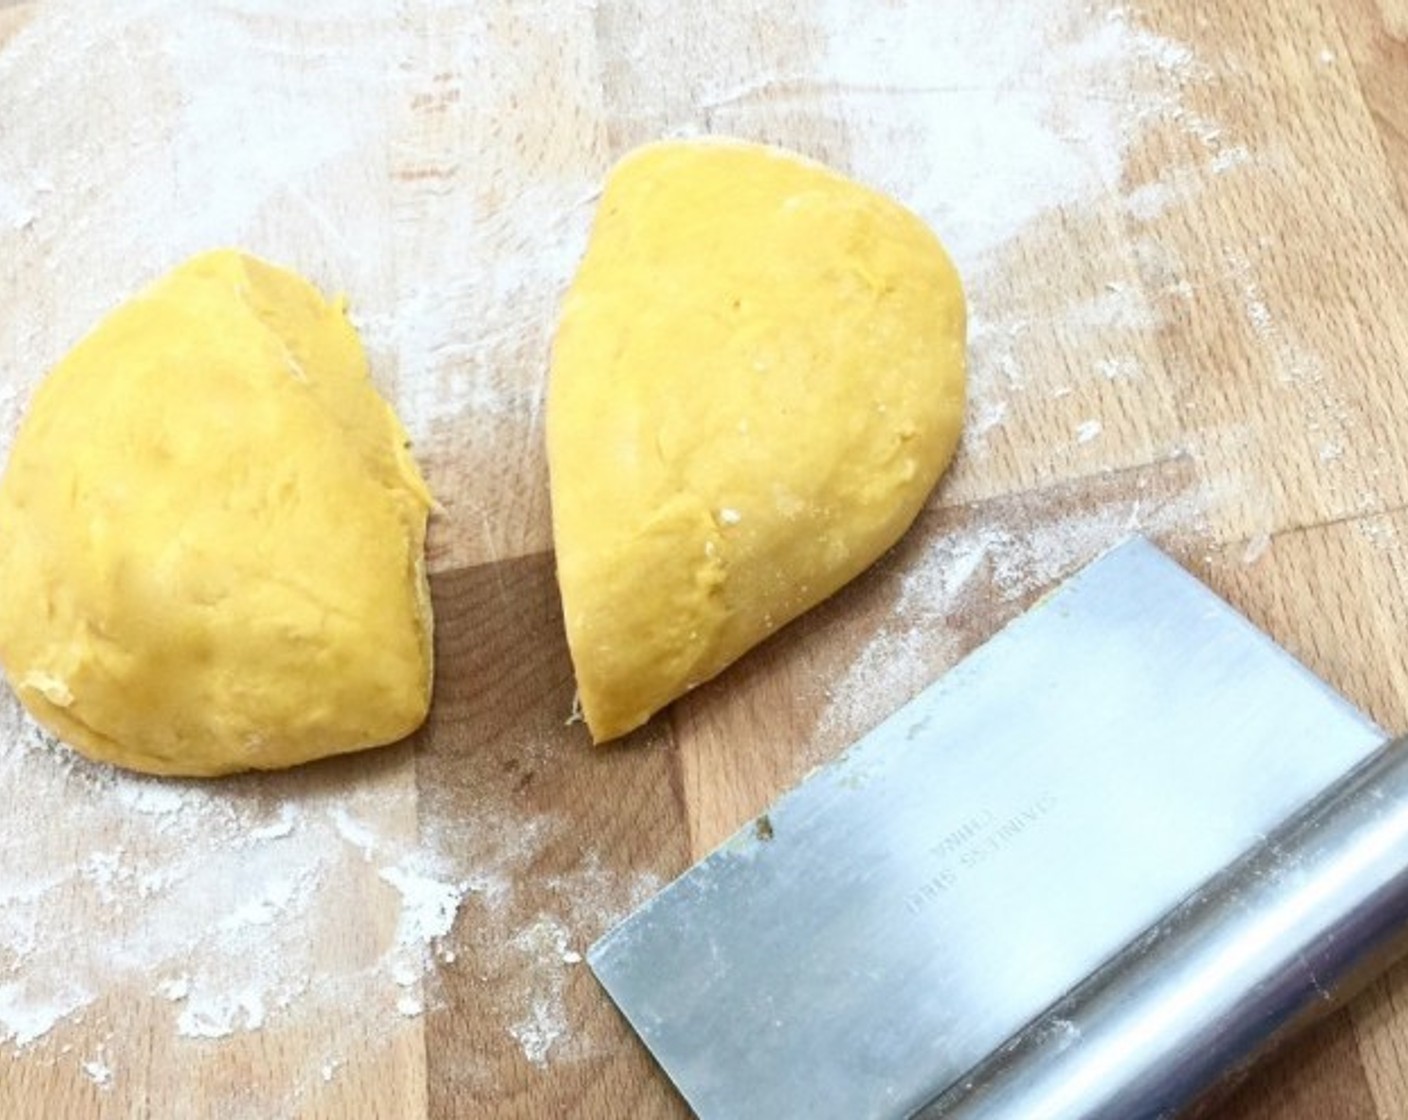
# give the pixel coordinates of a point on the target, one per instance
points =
(10, 407)
(175, 989)
(215, 1015)
(16, 211)
(1119, 369)
(1296, 366)
(1229, 158)
(212, 903)
(1120, 306)
(428, 906)
(30, 1008)
(1258, 314)
(989, 122)
(98, 1072)
(213, 896)
(984, 417)
(1256, 548)
(1004, 562)
(545, 1021)
(360, 836)
(1151, 200)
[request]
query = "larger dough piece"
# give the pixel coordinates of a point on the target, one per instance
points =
(757, 379)
(212, 535)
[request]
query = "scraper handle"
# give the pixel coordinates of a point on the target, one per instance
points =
(1283, 935)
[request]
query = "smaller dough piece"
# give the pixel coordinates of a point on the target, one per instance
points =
(757, 379)
(212, 535)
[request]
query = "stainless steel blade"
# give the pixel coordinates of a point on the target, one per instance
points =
(1278, 938)
(958, 871)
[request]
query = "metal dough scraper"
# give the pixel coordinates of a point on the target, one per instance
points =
(1103, 862)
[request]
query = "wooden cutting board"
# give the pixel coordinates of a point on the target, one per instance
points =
(1186, 244)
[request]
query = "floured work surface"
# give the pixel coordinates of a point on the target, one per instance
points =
(1178, 231)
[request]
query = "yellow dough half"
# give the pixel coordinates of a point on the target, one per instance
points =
(212, 535)
(757, 379)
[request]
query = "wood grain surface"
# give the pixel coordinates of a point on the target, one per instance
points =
(1227, 303)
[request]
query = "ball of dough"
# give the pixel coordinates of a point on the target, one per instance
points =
(212, 535)
(757, 379)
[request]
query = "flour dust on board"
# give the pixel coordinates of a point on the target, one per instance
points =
(438, 162)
